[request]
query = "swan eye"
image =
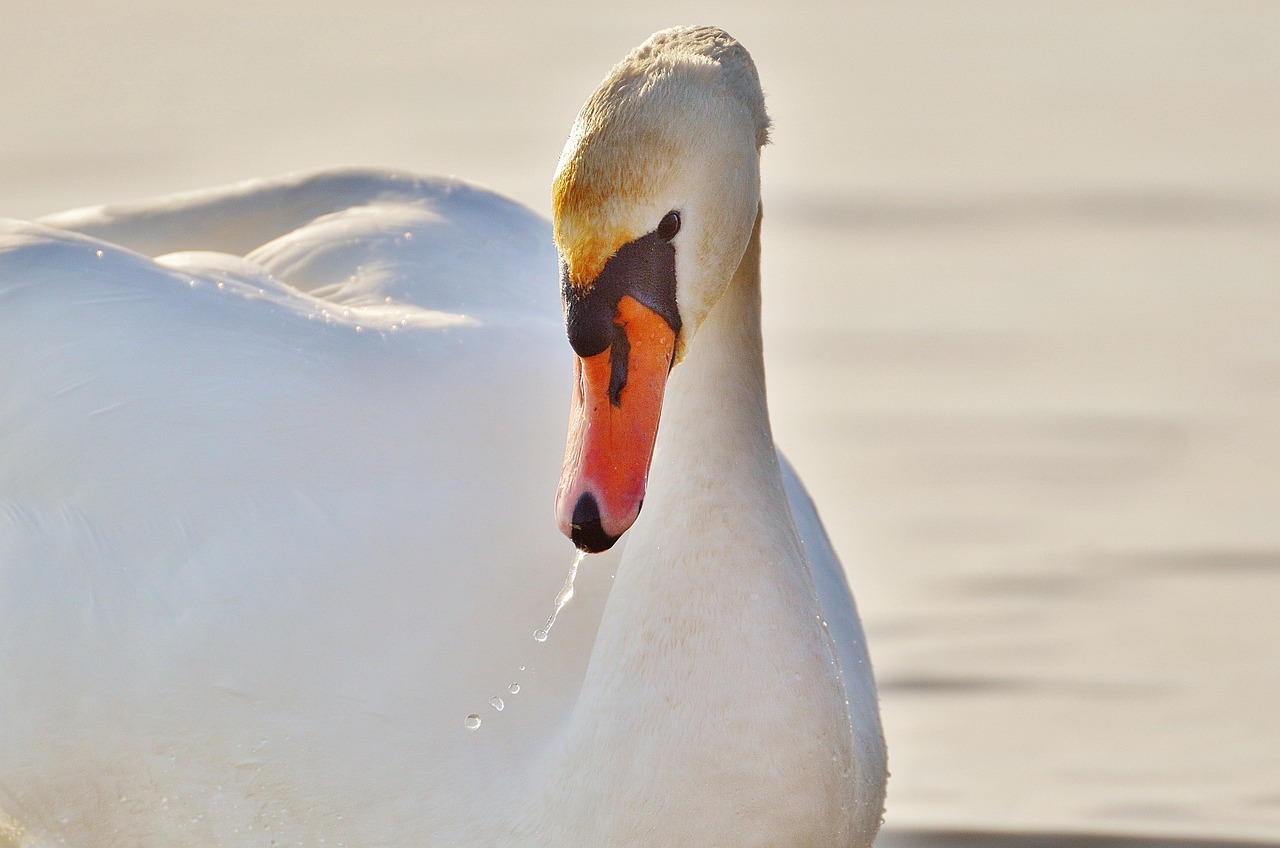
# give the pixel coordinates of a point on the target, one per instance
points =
(670, 226)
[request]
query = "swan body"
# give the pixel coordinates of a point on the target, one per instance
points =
(274, 472)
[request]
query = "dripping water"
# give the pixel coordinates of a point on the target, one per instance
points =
(566, 593)
(473, 721)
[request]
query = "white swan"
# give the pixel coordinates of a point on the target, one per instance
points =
(273, 510)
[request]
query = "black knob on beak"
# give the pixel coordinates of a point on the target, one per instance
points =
(588, 534)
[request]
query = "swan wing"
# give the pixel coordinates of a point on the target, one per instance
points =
(841, 615)
(270, 490)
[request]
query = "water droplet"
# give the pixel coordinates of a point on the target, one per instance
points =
(408, 236)
(566, 594)
(359, 329)
(522, 668)
(496, 703)
(221, 285)
(472, 722)
(514, 688)
(98, 253)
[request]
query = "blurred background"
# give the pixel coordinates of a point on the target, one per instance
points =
(1022, 268)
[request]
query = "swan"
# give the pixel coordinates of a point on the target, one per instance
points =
(275, 467)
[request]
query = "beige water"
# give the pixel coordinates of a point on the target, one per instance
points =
(1022, 268)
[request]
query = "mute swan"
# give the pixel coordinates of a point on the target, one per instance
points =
(274, 467)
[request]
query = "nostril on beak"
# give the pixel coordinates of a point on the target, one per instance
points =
(588, 533)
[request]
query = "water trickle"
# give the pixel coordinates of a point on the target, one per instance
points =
(472, 722)
(496, 703)
(566, 594)
(514, 688)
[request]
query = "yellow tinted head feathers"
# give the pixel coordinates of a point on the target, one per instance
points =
(634, 151)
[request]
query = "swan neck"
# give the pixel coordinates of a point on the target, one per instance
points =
(711, 644)
(716, 419)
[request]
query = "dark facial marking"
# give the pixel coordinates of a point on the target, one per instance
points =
(645, 269)
(619, 353)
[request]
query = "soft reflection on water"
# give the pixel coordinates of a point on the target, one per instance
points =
(976, 839)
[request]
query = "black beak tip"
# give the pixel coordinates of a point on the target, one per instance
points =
(588, 534)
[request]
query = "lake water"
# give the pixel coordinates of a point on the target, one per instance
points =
(1022, 318)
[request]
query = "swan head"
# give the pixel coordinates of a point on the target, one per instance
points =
(654, 202)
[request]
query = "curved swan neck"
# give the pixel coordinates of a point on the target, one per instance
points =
(715, 420)
(717, 519)
(711, 652)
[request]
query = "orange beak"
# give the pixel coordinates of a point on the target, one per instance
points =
(613, 422)
(623, 326)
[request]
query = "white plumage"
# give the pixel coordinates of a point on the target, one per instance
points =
(275, 516)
